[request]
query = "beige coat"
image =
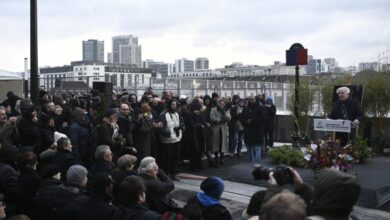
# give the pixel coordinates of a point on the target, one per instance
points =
(219, 130)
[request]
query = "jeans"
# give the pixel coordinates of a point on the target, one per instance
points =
(235, 140)
(254, 152)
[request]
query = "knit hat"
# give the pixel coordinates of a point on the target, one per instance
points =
(76, 174)
(213, 186)
(269, 100)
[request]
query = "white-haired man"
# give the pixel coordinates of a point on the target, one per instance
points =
(347, 109)
(158, 186)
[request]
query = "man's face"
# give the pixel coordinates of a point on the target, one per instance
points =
(150, 98)
(51, 123)
(81, 116)
(133, 99)
(108, 156)
(200, 101)
(154, 171)
(343, 95)
(3, 116)
(50, 107)
(125, 110)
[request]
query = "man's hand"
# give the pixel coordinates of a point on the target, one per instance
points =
(12, 120)
(272, 181)
(296, 177)
(356, 122)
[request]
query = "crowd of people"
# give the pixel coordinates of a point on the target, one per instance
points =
(72, 157)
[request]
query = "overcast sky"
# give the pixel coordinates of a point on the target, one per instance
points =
(225, 31)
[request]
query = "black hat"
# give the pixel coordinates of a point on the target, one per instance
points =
(45, 118)
(214, 95)
(110, 112)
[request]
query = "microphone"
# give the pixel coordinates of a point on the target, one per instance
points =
(344, 111)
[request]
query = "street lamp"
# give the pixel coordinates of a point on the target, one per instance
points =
(295, 56)
(34, 51)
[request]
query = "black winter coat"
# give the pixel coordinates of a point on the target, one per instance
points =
(157, 191)
(65, 159)
(136, 212)
(98, 206)
(349, 109)
(253, 120)
(47, 139)
(29, 132)
(102, 166)
(270, 113)
(126, 127)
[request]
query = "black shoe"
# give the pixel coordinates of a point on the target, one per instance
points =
(175, 178)
(212, 164)
(193, 169)
(221, 162)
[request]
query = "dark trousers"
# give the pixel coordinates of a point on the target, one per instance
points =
(170, 157)
(269, 138)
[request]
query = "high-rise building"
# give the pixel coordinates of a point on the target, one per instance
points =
(202, 63)
(125, 49)
(314, 66)
(130, 54)
(368, 66)
(158, 67)
(171, 68)
(330, 62)
(184, 65)
(93, 50)
(109, 57)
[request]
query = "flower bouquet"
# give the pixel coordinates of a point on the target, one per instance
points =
(328, 154)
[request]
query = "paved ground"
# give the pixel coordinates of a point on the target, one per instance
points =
(237, 195)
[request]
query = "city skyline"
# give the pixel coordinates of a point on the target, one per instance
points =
(225, 31)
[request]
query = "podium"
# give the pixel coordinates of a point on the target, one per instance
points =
(342, 126)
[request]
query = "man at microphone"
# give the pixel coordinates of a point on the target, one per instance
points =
(346, 108)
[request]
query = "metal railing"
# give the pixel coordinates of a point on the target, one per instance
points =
(280, 92)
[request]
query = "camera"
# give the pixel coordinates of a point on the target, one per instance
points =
(282, 174)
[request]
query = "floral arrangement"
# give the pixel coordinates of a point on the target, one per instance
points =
(329, 154)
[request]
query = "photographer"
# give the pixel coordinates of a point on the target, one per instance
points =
(108, 134)
(171, 137)
(280, 179)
